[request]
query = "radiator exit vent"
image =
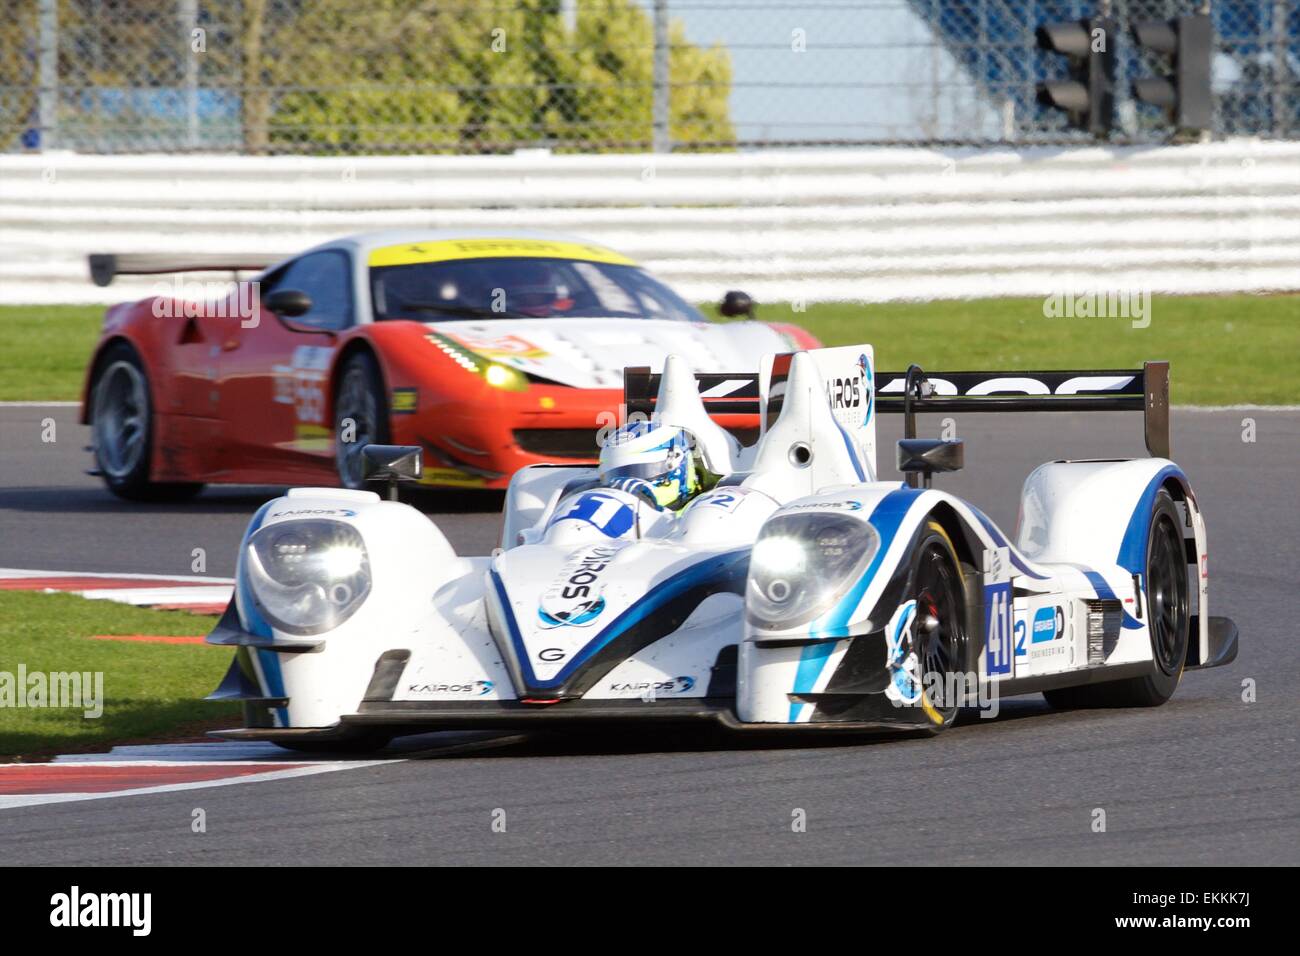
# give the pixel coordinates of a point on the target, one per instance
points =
(1104, 618)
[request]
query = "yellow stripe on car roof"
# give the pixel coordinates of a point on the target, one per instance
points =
(445, 250)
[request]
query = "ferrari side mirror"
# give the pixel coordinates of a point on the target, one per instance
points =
(289, 303)
(736, 303)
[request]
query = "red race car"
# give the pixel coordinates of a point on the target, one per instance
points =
(491, 352)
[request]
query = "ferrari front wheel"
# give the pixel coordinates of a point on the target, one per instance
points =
(121, 421)
(360, 417)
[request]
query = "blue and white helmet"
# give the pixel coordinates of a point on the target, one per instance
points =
(651, 459)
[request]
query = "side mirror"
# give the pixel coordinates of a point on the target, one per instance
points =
(736, 303)
(392, 463)
(289, 303)
(925, 456)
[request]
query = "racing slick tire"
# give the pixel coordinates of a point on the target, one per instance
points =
(121, 422)
(1168, 618)
(939, 629)
(360, 399)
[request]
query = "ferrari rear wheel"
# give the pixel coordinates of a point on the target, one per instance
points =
(1168, 618)
(938, 630)
(121, 420)
(360, 416)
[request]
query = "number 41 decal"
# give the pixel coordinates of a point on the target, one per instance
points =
(999, 639)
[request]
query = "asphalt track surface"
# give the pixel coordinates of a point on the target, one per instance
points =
(1206, 779)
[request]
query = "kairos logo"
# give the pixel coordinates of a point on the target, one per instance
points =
(471, 688)
(674, 685)
(575, 599)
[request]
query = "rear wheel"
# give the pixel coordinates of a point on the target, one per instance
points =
(360, 416)
(122, 431)
(939, 630)
(1168, 621)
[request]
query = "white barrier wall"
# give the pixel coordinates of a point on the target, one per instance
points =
(863, 225)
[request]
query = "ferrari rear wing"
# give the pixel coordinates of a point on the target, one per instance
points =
(106, 266)
(1144, 389)
(724, 393)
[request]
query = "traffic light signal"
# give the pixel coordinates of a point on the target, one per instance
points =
(1088, 96)
(1184, 94)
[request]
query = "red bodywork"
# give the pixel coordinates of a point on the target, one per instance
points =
(251, 401)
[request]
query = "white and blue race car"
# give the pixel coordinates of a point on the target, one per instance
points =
(782, 587)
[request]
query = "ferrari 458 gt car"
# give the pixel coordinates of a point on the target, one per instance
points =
(792, 591)
(490, 352)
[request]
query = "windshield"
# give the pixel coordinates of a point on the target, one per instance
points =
(522, 287)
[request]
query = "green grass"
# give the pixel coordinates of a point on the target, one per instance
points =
(1224, 349)
(152, 692)
(45, 350)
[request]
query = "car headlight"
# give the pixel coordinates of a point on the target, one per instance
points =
(308, 576)
(803, 563)
(505, 377)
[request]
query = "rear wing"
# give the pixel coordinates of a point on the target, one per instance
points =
(1093, 390)
(1145, 390)
(724, 393)
(106, 266)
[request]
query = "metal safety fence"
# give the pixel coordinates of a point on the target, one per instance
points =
(352, 77)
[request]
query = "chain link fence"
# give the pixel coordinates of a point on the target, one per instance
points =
(478, 76)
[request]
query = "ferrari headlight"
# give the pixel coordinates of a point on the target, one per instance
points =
(803, 563)
(309, 576)
(503, 376)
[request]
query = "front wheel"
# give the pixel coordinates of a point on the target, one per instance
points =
(360, 417)
(121, 421)
(1168, 621)
(938, 627)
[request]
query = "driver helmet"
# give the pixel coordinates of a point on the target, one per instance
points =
(654, 460)
(538, 289)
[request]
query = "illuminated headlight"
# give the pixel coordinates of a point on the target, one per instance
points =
(309, 576)
(803, 563)
(503, 376)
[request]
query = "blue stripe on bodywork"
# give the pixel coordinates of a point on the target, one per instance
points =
(1132, 555)
(811, 662)
(852, 450)
(703, 573)
(254, 623)
(1105, 593)
(1001, 540)
(886, 519)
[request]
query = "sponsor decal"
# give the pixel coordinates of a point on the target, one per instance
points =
(864, 368)
(574, 599)
(472, 688)
(405, 401)
(849, 505)
(501, 347)
(314, 513)
(450, 249)
(1049, 624)
(674, 685)
(301, 383)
